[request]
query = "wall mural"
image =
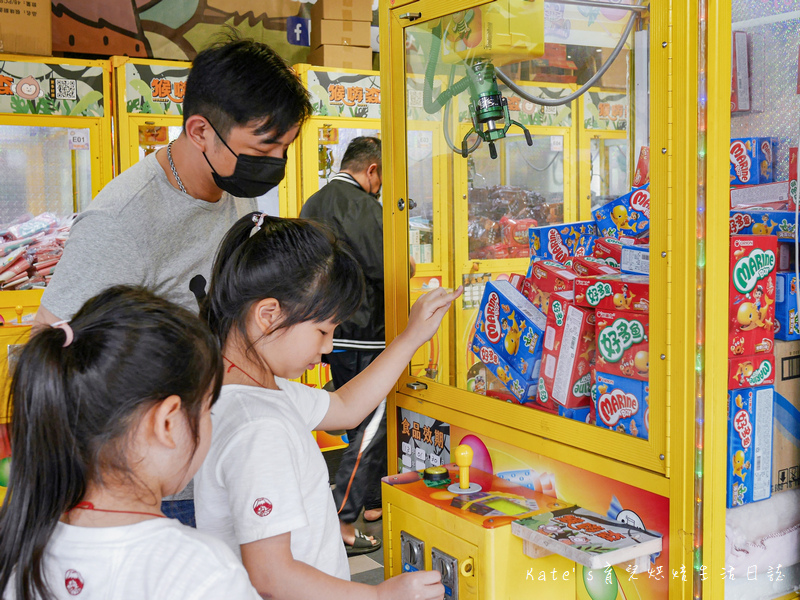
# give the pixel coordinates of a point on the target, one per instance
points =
(171, 29)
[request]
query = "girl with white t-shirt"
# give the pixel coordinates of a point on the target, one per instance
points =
(279, 287)
(111, 412)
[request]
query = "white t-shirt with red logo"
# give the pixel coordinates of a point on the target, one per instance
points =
(159, 558)
(265, 475)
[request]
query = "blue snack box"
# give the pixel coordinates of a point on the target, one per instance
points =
(513, 327)
(627, 216)
(524, 390)
(763, 222)
(635, 260)
(787, 326)
(559, 242)
(622, 404)
(580, 413)
(749, 445)
(751, 161)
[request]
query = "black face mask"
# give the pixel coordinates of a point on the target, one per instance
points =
(252, 177)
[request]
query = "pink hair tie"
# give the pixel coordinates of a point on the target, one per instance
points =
(67, 330)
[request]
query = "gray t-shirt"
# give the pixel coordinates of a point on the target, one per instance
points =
(140, 230)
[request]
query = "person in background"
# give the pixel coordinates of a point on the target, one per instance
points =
(349, 205)
(112, 411)
(159, 223)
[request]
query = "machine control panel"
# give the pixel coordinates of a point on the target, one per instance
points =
(448, 567)
(412, 552)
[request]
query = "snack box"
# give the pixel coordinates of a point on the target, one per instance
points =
(523, 390)
(642, 174)
(568, 352)
(751, 308)
(543, 400)
(751, 371)
(622, 404)
(521, 283)
(779, 223)
(614, 292)
(636, 260)
(623, 346)
(740, 73)
(749, 445)
(787, 326)
(609, 250)
(546, 277)
(751, 161)
(628, 215)
(773, 196)
(793, 176)
(589, 265)
(559, 242)
(512, 326)
(581, 413)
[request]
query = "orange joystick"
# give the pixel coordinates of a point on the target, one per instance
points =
(463, 458)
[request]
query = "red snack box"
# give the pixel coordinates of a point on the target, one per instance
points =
(589, 265)
(609, 250)
(614, 292)
(751, 371)
(623, 346)
(548, 276)
(792, 176)
(642, 174)
(751, 309)
(568, 352)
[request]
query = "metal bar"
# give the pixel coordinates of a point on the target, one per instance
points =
(598, 4)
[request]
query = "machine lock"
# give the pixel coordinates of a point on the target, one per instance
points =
(412, 552)
(448, 567)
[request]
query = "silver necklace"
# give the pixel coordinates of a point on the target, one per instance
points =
(174, 170)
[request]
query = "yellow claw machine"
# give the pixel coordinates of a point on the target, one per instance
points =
(586, 394)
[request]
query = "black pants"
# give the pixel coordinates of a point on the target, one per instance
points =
(358, 480)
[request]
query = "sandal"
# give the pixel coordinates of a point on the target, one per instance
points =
(362, 545)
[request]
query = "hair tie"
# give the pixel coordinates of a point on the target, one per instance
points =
(67, 330)
(258, 223)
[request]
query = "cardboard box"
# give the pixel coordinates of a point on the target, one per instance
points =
(568, 351)
(342, 10)
(524, 390)
(589, 265)
(751, 161)
(547, 277)
(559, 242)
(24, 33)
(345, 57)
(628, 215)
(740, 73)
(582, 413)
(793, 176)
(751, 308)
(749, 445)
(773, 196)
(622, 404)
(787, 325)
(642, 174)
(751, 371)
(779, 223)
(340, 33)
(609, 250)
(512, 326)
(614, 292)
(636, 260)
(786, 422)
(623, 346)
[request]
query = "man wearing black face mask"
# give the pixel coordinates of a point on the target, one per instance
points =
(159, 223)
(349, 205)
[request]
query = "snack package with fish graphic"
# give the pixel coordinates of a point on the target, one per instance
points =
(787, 324)
(560, 242)
(608, 250)
(749, 475)
(751, 371)
(779, 223)
(614, 292)
(622, 404)
(524, 390)
(589, 265)
(751, 309)
(513, 327)
(752, 161)
(547, 277)
(627, 216)
(623, 346)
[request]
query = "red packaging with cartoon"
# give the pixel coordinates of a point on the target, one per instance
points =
(623, 346)
(547, 277)
(614, 292)
(609, 250)
(751, 309)
(521, 283)
(590, 265)
(751, 371)
(568, 352)
(622, 404)
(642, 174)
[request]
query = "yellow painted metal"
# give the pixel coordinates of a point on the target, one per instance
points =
(10, 337)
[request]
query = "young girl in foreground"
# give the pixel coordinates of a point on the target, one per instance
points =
(279, 287)
(110, 413)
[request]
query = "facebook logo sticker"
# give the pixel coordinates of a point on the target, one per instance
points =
(297, 31)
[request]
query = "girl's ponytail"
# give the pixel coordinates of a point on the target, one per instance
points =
(44, 484)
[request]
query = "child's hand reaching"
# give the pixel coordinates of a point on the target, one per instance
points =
(427, 313)
(422, 585)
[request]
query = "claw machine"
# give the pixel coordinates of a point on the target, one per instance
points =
(149, 115)
(584, 400)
